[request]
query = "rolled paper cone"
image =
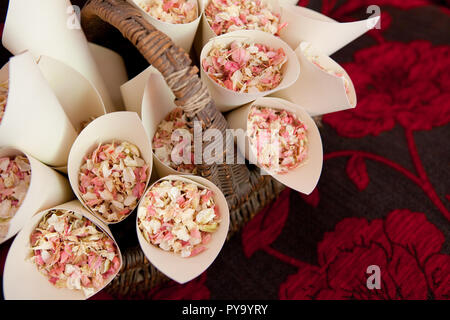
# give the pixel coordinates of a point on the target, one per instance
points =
(206, 33)
(326, 34)
(288, 2)
(47, 188)
(113, 71)
(34, 120)
(133, 90)
(51, 28)
(318, 91)
(174, 266)
(303, 178)
(118, 127)
(158, 101)
(79, 98)
(21, 278)
(226, 99)
(182, 34)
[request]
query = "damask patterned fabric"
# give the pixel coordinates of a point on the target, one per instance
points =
(384, 195)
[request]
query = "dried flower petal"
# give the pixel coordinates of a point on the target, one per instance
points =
(163, 146)
(112, 180)
(4, 89)
(171, 11)
(178, 216)
(278, 138)
(245, 67)
(72, 252)
(15, 176)
(230, 15)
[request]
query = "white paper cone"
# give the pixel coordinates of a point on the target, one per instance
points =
(318, 91)
(181, 269)
(51, 28)
(47, 188)
(288, 2)
(206, 33)
(113, 71)
(326, 34)
(181, 34)
(79, 98)
(303, 178)
(226, 99)
(133, 90)
(157, 103)
(116, 126)
(34, 120)
(21, 278)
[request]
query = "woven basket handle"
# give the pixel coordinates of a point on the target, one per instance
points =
(182, 78)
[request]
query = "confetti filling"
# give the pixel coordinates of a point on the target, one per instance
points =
(178, 216)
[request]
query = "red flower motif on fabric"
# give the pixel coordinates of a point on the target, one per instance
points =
(400, 83)
(406, 247)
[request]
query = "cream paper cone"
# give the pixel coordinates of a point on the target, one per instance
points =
(226, 99)
(47, 188)
(21, 278)
(318, 91)
(133, 90)
(113, 71)
(303, 178)
(157, 103)
(181, 269)
(34, 120)
(149, 95)
(288, 2)
(51, 28)
(326, 34)
(205, 32)
(181, 34)
(79, 98)
(116, 126)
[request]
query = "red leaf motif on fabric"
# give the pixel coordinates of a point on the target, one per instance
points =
(404, 245)
(193, 290)
(266, 226)
(437, 269)
(448, 197)
(357, 172)
(312, 199)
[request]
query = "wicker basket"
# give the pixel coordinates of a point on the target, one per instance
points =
(245, 189)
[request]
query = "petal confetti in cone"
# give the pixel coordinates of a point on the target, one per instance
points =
(158, 102)
(34, 121)
(323, 87)
(51, 28)
(303, 178)
(226, 99)
(80, 100)
(173, 265)
(206, 32)
(114, 127)
(47, 188)
(149, 95)
(21, 278)
(326, 34)
(182, 34)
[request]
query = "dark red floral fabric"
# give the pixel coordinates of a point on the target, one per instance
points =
(384, 195)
